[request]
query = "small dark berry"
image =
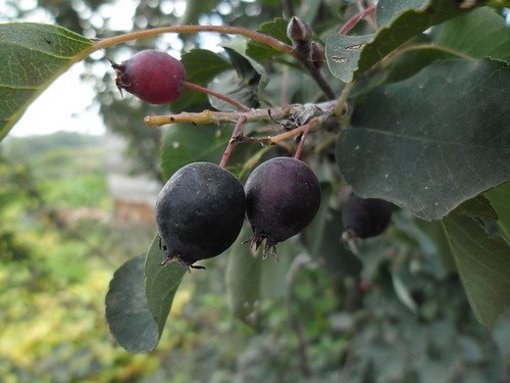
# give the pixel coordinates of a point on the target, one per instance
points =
(199, 213)
(365, 218)
(282, 197)
(152, 76)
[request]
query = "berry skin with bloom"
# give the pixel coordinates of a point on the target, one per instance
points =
(199, 213)
(153, 76)
(282, 197)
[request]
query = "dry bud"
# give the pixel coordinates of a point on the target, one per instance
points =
(298, 31)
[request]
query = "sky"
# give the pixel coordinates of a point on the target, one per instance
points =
(66, 105)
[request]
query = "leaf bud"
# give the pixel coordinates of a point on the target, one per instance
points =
(298, 31)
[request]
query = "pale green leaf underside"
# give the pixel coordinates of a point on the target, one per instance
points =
(350, 56)
(431, 142)
(32, 56)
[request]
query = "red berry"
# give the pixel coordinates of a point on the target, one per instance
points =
(152, 76)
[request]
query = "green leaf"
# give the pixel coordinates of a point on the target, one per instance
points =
(387, 10)
(322, 239)
(182, 144)
(161, 283)
(276, 28)
(480, 33)
(434, 231)
(342, 54)
(127, 310)
(250, 278)
(402, 28)
(407, 25)
(32, 56)
(478, 208)
(405, 65)
(243, 276)
(500, 200)
(241, 84)
(343, 51)
(413, 142)
(483, 264)
(201, 67)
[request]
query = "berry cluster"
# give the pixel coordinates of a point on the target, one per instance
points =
(201, 209)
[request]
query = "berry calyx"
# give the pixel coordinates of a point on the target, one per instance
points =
(199, 213)
(365, 218)
(282, 197)
(152, 76)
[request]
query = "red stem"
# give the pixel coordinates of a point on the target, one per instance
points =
(354, 20)
(202, 89)
(233, 140)
(299, 150)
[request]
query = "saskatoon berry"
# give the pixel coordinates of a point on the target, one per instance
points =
(199, 213)
(365, 218)
(282, 197)
(152, 76)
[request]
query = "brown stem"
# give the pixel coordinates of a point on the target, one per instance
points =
(227, 99)
(313, 123)
(237, 132)
(216, 117)
(148, 33)
(299, 150)
(355, 19)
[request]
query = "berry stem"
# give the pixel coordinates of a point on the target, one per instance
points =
(313, 123)
(237, 132)
(299, 150)
(351, 23)
(199, 88)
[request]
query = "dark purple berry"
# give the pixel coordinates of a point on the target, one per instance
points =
(282, 197)
(365, 218)
(199, 213)
(152, 76)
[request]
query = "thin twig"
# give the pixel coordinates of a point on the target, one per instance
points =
(201, 89)
(299, 150)
(148, 33)
(214, 117)
(351, 23)
(312, 124)
(370, 19)
(237, 132)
